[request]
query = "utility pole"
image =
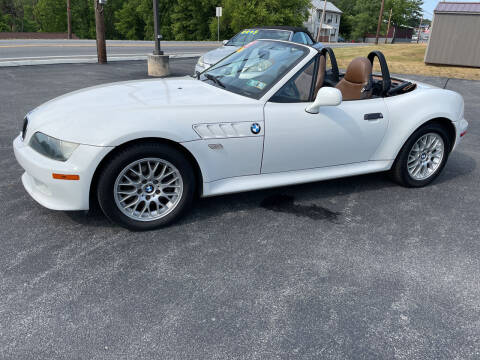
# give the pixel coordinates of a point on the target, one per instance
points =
(321, 21)
(388, 26)
(419, 29)
(380, 18)
(100, 29)
(156, 28)
(69, 21)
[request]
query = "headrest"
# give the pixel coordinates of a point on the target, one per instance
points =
(359, 71)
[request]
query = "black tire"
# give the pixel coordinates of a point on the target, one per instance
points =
(127, 156)
(399, 171)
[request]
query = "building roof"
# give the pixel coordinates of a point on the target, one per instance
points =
(458, 7)
(318, 4)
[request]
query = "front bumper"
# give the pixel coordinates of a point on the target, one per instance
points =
(59, 194)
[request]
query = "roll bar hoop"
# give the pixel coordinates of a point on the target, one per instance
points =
(387, 82)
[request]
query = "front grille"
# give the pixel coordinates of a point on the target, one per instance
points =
(24, 128)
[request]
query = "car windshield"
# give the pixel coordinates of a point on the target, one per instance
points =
(246, 36)
(254, 68)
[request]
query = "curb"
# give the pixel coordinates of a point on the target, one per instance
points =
(90, 60)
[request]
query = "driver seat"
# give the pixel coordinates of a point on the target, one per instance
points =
(357, 82)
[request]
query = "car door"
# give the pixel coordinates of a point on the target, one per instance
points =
(337, 135)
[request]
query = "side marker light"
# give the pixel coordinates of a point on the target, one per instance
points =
(65, 177)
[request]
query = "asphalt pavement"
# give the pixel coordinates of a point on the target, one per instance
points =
(356, 268)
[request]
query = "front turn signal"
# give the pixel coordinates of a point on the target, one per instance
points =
(65, 177)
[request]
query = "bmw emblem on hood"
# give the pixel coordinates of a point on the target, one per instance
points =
(255, 128)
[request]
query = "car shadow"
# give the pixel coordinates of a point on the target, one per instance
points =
(459, 164)
(284, 199)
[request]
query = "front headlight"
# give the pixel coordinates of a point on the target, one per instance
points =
(52, 148)
(201, 62)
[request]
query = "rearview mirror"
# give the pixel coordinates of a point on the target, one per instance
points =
(326, 96)
(225, 42)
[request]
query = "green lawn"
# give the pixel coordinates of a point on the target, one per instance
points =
(406, 59)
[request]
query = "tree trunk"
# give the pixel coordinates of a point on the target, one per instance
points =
(69, 20)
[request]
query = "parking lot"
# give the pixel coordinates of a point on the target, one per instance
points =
(351, 268)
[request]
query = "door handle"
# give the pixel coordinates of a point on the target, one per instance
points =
(373, 116)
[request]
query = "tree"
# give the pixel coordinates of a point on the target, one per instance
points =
(405, 12)
(133, 20)
(128, 21)
(83, 18)
(364, 22)
(51, 15)
(360, 16)
(241, 14)
(4, 23)
(190, 19)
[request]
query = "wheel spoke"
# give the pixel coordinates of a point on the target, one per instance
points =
(123, 192)
(127, 197)
(170, 182)
(160, 176)
(130, 181)
(143, 210)
(135, 203)
(166, 175)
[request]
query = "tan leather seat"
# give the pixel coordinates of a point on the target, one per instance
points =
(354, 83)
(322, 67)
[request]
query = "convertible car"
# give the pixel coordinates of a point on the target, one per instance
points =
(273, 113)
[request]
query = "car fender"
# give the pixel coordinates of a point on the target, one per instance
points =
(410, 111)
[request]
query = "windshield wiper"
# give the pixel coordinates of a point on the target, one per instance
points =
(214, 79)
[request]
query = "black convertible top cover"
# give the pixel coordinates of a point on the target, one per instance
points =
(294, 29)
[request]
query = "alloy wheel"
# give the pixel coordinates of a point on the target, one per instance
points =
(148, 189)
(426, 156)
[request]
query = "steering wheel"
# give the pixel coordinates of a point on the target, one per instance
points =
(386, 80)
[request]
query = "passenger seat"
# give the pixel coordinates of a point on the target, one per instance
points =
(357, 82)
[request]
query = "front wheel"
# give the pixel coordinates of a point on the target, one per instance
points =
(146, 186)
(423, 156)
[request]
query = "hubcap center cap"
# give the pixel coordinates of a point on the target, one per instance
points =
(149, 189)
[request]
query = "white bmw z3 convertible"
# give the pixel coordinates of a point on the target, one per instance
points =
(273, 113)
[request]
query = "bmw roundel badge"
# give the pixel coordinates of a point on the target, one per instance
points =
(255, 128)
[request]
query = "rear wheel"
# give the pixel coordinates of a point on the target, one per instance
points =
(423, 156)
(146, 186)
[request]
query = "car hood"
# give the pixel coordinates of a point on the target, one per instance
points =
(214, 56)
(88, 116)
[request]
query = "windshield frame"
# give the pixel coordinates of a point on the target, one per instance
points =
(288, 73)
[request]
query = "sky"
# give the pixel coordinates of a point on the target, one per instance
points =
(430, 5)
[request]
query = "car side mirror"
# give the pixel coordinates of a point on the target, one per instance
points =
(224, 42)
(326, 96)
